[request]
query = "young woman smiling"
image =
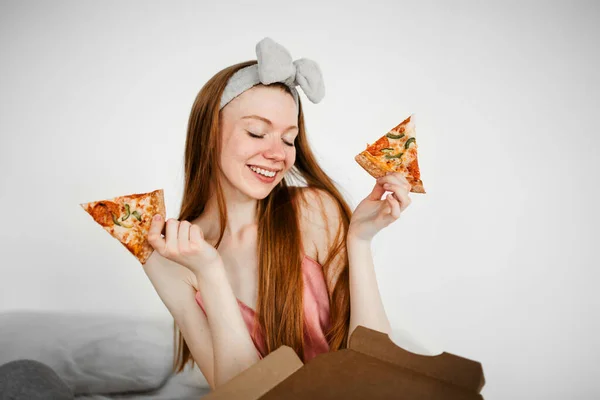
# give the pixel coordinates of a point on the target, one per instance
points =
(265, 251)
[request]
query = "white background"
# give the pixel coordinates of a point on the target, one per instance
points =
(498, 262)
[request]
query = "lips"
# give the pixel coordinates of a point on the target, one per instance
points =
(263, 178)
(265, 168)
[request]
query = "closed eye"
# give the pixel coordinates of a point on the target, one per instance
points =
(254, 135)
(262, 136)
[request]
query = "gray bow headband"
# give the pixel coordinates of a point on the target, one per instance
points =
(275, 65)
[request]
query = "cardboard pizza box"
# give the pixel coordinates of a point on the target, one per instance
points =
(372, 367)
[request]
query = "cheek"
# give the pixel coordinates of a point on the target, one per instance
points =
(238, 150)
(290, 157)
(231, 156)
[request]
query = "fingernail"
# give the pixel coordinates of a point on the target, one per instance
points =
(157, 217)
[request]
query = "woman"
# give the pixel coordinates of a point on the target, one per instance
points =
(255, 262)
(265, 251)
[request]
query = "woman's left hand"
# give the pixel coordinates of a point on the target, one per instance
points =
(374, 213)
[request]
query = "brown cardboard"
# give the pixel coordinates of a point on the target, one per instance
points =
(372, 367)
(260, 378)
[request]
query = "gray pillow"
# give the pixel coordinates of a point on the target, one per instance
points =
(92, 353)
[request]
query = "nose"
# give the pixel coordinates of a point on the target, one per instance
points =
(275, 151)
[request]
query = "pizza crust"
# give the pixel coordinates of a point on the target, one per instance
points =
(371, 167)
(376, 170)
(418, 187)
(146, 252)
(159, 200)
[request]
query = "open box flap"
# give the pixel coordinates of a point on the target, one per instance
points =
(372, 367)
(257, 380)
(446, 367)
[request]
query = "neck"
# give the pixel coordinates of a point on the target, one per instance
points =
(241, 214)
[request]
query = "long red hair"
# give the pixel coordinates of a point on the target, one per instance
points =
(279, 310)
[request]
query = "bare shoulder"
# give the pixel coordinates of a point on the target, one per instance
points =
(319, 220)
(315, 199)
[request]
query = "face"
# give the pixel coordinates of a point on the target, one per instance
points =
(258, 129)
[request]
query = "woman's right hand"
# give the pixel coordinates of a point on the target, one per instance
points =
(184, 244)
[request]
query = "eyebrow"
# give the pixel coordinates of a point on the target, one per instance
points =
(268, 122)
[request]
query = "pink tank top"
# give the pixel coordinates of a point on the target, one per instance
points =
(316, 312)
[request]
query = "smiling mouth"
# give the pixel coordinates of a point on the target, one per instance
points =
(263, 172)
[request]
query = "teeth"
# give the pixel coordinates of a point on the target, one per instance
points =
(263, 172)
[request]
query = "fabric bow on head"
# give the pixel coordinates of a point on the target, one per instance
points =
(275, 65)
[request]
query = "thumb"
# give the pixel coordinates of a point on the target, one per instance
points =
(154, 234)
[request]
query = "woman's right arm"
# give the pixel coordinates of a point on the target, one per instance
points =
(176, 286)
(176, 273)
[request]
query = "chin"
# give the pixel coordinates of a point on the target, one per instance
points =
(259, 193)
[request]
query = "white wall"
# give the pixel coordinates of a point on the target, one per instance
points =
(497, 262)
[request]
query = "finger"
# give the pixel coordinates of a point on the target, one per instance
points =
(183, 233)
(400, 191)
(196, 234)
(171, 234)
(377, 192)
(403, 200)
(400, 178)
(396, 178)
(400, 194)
(184, 245)
(154, 237)
(394, 206)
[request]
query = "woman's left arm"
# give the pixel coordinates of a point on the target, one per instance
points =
(366, 307)
(369, 217)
